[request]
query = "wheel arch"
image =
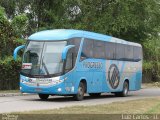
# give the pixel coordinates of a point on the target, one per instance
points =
(84, 81)
(127, 80)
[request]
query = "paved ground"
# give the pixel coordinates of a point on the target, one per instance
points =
(32, 102)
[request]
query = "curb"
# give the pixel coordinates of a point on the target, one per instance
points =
(14, 94)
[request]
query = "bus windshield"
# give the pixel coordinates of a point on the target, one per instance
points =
(43, 58)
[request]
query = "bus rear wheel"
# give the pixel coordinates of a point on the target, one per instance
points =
(43, 96)
(95, 94)
(124, 92)
(81, 90)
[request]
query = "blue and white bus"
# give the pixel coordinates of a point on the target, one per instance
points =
(75, 62)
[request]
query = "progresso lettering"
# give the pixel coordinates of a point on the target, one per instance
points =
(97, 65)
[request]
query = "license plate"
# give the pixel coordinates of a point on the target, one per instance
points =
(43, 80)
(40, 80)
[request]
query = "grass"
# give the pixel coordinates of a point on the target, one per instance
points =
(142, 106)
(9, 91)
(151, 85)
(154, 109)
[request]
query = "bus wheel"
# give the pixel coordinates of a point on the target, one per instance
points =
(43, 96)
(81, 90)
(124, 93)
(95, 94)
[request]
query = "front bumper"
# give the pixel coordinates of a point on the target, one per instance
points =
(60, 89)
(57, 89)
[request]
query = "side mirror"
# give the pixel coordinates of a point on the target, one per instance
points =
(65, 50)
(16, 51)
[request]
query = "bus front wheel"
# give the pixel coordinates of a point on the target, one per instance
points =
(43, 96)
(124, 92)
(81, 90)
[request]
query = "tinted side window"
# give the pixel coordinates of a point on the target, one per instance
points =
(69, 61)
(128, 52)
(99, 49)
(137, 54)
(110, 50)
(87, 50)
(120, 48)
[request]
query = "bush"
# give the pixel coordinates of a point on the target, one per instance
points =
(9, 73)
(151, 71)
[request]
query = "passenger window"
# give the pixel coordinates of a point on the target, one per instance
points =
(99, 49)
(128, 52)
(110, 50)
(137, 54)
(87, 50)
(120, 48)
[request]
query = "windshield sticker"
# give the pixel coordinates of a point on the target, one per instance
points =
(26, 65)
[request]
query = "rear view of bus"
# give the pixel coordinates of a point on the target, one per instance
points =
(75, 62)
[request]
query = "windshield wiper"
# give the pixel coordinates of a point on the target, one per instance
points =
(45, 67)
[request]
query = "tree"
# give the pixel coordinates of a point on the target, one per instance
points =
(20, 24)
(6, 34)
(10, 7)
(10, 32)
(152, 57)
(132, 20)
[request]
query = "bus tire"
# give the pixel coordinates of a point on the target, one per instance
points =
(81, 90)
(124, 92)
(95, 94)
(43, 96)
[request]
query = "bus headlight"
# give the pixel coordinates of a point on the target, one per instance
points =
(23, 79)
(57, 80)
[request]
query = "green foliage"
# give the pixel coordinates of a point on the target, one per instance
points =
(9, 33)
(132, 20)
(19, 41)
(9, 69)
(20, 24)
(152, 55)
(147, 66)
(9, 73)
(151, 71)
(152, 48)
(6, 35)
(10, 7)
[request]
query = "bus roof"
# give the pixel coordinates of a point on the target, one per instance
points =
(64, 34)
